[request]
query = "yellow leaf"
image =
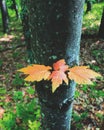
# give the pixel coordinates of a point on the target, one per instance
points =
(36, 72)
(82, 74)
(57, 77)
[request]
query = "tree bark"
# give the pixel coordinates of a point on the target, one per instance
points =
(89, 6)
(15, 8)
(4, 12)
(101, 28)
(55, 28)
(25, 25)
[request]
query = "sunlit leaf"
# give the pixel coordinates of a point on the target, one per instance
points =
(61, 72)
(82, 74)
(57, 78)
(60, 65)
(36, 72)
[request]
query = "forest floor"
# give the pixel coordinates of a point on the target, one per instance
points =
(88, 111)
(89, 105)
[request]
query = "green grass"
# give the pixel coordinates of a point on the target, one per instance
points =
(91, 20)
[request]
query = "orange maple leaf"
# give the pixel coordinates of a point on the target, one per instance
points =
(61, 72)
(36, 72)
(82, 74)
(57, 77)
(60, 65)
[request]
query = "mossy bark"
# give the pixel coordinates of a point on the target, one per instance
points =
(55, 28)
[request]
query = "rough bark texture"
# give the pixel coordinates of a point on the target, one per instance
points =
(55, 27)
(101, 29)
(4, 13)
(48, 23)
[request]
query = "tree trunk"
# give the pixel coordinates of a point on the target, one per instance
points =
(89, 6)
(101, 28)
(55, 33)
(15, 8)
(25, 25)
(4, 13)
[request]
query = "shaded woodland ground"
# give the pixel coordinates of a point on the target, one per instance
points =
(17, 97)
